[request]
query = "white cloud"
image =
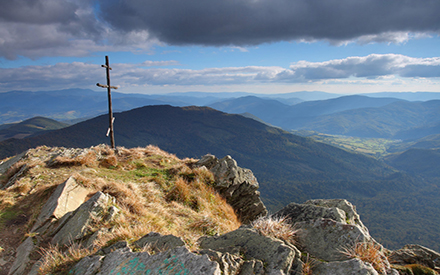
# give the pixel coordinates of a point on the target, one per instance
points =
(149, 63)
(371, 66)
(372, 70)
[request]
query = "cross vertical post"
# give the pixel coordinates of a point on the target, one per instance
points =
(110, 111)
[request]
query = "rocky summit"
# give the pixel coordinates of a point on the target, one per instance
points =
(145, 211)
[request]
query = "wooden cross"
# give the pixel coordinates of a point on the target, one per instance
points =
(110, 112)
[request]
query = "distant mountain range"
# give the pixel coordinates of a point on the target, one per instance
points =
(355, 115)
(30, 127)
(289, 168)
(78, 104)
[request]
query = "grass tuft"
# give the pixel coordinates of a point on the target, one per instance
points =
(368, 252)
(54, 260)
(275, 227)
(308, 265)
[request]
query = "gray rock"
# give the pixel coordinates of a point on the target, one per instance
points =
(68, 153)
(351, 216)
(90, 243)
(252, 267)
(35, 268)
(15, 177)
(229, 264)
(158, 242)
(67, 197)
(237, 185)
(295, 212)
(416, 254)
(76, 226)
(22, 256)
(326, 239)
(276, 255)
(175, 261)
(349, 267)
(122, 246)
(5, 165)
(87, 266)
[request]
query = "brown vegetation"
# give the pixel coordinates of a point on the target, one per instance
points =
(368, 252)
(275, 227)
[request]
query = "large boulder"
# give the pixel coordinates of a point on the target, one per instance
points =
(276, 256)
(295, 212)
(237, 185)
(326, 227)
(338, 210)
(351, 216)
(174, 261)
(326, 239)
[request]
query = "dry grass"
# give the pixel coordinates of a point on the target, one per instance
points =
(368, 252)
(418, 269)
(307, 265)
(275, 227)
(54, 260)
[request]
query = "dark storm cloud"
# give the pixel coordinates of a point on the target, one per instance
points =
(37, 11)
(251, 22)
(36, 28)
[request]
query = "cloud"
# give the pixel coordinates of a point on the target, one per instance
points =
(36, 28)
(251, 22)
(373, 68)
(150, 63)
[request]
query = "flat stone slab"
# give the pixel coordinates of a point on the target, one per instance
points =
(76, 226)
(67, 197)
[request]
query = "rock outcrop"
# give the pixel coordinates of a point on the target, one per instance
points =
(416, 254)
(276, 256)
(237, 185)
(330, 231)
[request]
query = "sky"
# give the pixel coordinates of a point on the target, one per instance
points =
(256, 46)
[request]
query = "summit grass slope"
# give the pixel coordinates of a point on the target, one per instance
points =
(154, 191)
